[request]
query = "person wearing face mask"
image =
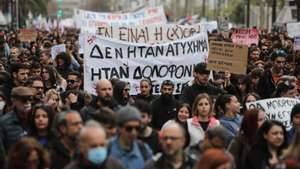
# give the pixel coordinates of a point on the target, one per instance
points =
(93, 149)
(164, 108)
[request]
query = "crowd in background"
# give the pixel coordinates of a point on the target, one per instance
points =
(47, 120)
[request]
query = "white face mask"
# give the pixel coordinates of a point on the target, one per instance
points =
(2, 104)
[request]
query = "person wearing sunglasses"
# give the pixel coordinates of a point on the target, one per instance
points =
(14, 124)
(124, 146)
(267, 82)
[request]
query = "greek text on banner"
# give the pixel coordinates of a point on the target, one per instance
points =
(131, 62)
(276, 109)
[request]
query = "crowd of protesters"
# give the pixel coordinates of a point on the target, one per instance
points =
(47, 120)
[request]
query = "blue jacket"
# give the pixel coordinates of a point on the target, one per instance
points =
(231, 124)
(130, 160)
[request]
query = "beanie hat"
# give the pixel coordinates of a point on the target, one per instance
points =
(128, 113)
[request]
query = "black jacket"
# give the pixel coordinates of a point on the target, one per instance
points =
(59, 155)
(266, 85)
(189, 93)
(160, 162)
(257, 158)
(163, 110)
(11, 131)
(148, 99)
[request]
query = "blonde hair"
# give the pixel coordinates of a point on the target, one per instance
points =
(50, 93)
(200, 97)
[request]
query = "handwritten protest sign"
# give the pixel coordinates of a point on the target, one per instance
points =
(225, 56)
(209, 26)
(276, 109)
(149, 34)
(89, 21)
(57, 49)
(28, 35)
(293, 29)
(131, 62)
(297, 43)
(245, 36)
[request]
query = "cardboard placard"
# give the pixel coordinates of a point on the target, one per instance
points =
(225, 56)
(245, 36)
(28, 35)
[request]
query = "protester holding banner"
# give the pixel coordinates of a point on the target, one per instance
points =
(164, 108)
(146, 91)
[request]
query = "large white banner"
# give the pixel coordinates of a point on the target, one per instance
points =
(150, 34)
(89, 21)
(131, 62)
(276, 109)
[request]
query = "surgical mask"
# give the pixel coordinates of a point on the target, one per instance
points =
(97, 155)
(2, 104)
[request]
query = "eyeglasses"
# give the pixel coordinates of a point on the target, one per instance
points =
(172, 138)
(71, 81)
(129, 129)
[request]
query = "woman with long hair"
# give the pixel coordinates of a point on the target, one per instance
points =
(28, 154)
(202, 118)
(250, 97)
(40, 121)
(271, 140)
(241, 144)
(52, 79)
